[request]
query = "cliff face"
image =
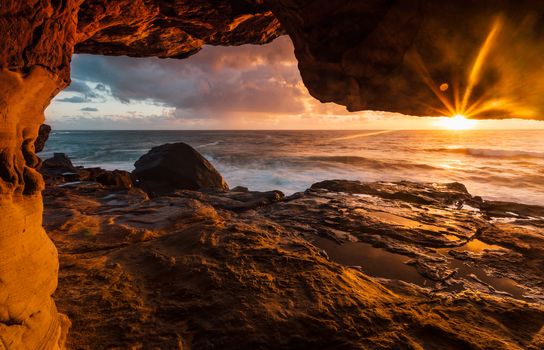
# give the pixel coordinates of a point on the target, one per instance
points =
(29, 264)
(361, 54)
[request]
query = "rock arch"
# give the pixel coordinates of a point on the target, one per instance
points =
(353, 53)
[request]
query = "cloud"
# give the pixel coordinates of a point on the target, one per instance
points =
(89, 109)
(247, 86)
(73, 99)
(216, 81)
(80, 92)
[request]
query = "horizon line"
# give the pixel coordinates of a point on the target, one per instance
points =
(464, 130)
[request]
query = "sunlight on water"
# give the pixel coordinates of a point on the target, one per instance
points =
(501, 165)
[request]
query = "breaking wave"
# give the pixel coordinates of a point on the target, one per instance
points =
(209, 144)
(491, 153)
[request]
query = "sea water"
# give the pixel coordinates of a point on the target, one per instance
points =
(495, 164)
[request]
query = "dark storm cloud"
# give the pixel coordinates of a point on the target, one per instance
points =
(83, 93)
(89, 109)
(74, 99)
(216, 80)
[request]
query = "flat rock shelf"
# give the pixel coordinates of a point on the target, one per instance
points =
(434, 265)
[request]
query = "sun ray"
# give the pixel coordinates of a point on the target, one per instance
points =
(475, 72)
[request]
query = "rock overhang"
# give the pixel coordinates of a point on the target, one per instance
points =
(416, 57)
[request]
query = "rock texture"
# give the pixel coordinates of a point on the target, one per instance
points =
(43, 135)
(59, 163)
(28, 264)
(176, 166)
(381, 55)
(171, 29)
(203, 271)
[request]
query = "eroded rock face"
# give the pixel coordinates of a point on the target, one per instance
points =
(29, 264)
(38, 39)
(43, 135)
(171, 29)
(361, 54)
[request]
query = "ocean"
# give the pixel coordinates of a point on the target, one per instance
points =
(495, 164)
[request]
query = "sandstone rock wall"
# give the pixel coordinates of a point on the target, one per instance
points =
(29, 263)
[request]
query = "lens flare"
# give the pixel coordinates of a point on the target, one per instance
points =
(460, 104)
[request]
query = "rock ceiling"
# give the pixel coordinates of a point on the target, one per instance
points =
(414, 56)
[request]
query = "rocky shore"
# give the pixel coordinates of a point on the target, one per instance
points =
(343, 265)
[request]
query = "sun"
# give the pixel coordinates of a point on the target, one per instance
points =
(457, 122)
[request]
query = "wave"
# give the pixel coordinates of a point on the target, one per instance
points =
(369, 162)
(251, 161)
(491, 153)
(209, 144)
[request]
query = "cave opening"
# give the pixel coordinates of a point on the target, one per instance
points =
(255, 246)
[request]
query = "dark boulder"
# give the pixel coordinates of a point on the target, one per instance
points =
(178, 166)
(116, 178)
(60, 162)
(59, 168)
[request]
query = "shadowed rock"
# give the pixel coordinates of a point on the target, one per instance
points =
(117, 178)
(394, 55)
(59, 163)
(43, 135)
(176, 166)
(357, 53)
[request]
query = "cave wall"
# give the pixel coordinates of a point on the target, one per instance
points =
(29, 263)
(35, 48)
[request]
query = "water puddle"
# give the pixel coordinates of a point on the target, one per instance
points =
(378, 262)
(476, 274)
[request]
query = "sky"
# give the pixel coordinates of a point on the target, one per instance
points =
(246, 87)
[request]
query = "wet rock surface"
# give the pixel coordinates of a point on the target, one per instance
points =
(454, 240)
(244, 269)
